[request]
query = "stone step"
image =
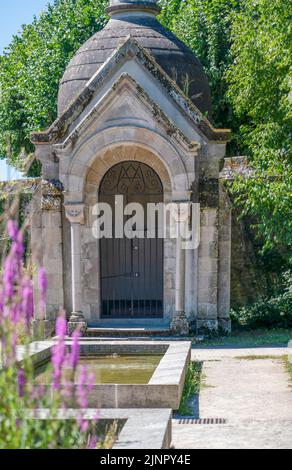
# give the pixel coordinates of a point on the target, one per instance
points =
(117, 333)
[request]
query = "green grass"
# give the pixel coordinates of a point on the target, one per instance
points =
(255, 357)
(193, 383)
(283, 359)
(288, 367)
(254, 338)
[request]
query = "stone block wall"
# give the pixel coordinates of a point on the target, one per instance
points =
(249, 281)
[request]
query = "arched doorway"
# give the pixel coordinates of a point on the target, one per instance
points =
(131, 268)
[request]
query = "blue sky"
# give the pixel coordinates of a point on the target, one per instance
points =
(13, 14)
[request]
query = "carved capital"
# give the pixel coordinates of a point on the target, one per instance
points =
(51, 191)
(75, 212)
(181, 211)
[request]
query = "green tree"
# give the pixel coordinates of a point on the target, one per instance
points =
(244, 46)
(260, 91)
(31, 67)
(205, 27)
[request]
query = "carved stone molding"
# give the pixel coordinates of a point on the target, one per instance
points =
(180, 325)
(75, 212)
(51, 195)
(77, 322)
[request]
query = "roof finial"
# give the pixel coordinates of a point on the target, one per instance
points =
(125, 6)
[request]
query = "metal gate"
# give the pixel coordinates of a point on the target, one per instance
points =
(131, 269)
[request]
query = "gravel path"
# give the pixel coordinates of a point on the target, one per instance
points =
(252, 395)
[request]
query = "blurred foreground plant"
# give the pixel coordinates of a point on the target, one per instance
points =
(21, 396)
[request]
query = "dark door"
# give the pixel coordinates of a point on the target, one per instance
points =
(132, 269)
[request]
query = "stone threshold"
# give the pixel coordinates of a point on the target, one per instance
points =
(120, 332)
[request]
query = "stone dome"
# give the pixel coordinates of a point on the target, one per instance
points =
(137, 19)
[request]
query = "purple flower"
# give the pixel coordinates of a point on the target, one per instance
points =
(59, 352)
(43, 286)
(9, 277)
(92, 443)
(27, 306)
(67, 389)
(75, 350)
(82, 395)
(13, 262)
(61, 326)
(12, 228)
(1, 302)
(15, 314)
(17, 248)
(21, 379)
(83, 425)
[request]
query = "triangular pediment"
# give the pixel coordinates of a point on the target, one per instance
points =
(126, 108)
(125, 104)
(126, 52)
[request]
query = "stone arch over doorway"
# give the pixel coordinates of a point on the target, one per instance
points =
(122, 153)
(90, 251)
(93, 156)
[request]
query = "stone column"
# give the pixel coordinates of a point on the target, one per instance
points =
(180, 325)
(75, 215)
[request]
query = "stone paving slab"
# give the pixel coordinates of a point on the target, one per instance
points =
(212, 353)
(241, 435)
(252, 395)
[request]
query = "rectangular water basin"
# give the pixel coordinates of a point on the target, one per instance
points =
(161, 386)
(110, 369)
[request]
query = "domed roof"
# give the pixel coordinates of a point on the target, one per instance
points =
(170, 53)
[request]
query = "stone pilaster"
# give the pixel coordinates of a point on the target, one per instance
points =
(180, 325)
(46, 243)
(75, 215)
(207, 319)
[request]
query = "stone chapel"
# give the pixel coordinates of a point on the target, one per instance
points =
(135, 119)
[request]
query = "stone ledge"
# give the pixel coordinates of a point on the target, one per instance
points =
(144, 428)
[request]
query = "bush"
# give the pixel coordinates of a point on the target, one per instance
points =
(270, 312)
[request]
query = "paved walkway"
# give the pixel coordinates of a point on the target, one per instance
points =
(253, 396)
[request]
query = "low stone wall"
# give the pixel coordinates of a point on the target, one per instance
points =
(23, 188)
(15, 197)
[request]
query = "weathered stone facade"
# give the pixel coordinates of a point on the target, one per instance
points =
(132, 110)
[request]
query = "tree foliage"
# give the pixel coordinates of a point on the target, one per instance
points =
(32, 66)
(244, 46)
(205, 27)
(259, 81)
